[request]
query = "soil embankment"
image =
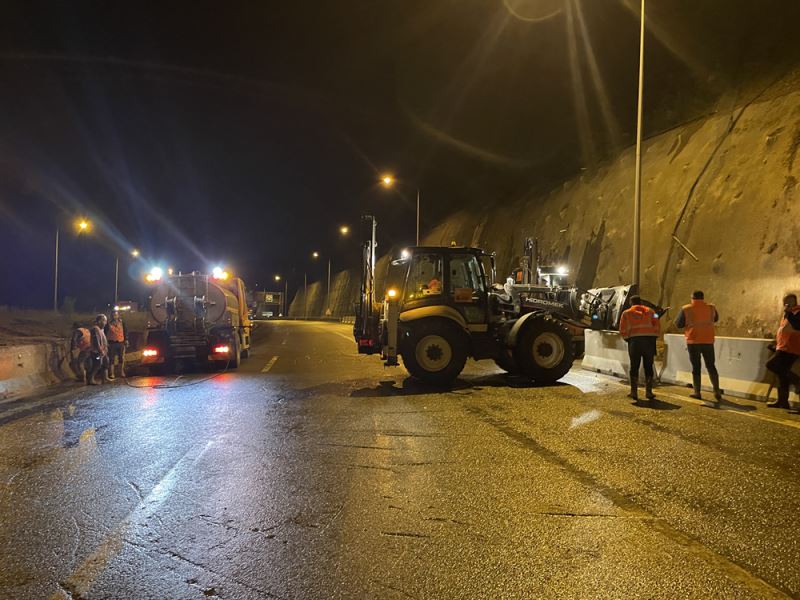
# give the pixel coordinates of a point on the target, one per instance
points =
(725, 186)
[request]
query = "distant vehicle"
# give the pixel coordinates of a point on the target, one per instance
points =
(267, 304)
(199, 318)
(126, 306)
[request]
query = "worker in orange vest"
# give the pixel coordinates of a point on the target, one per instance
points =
(787, 350)
(697, 321)
(80, 347)
(639, 327)
(117, 334)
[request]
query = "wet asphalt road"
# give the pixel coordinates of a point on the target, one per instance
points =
(315, 473)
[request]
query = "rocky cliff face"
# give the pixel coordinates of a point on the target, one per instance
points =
(724, 187)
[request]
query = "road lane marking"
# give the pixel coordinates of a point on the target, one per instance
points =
(80, 581)
(269, 364)
(743, 413)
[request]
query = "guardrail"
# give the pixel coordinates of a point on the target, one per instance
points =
(740, 362)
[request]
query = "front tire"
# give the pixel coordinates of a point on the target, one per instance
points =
(544, 350)
(435, 351)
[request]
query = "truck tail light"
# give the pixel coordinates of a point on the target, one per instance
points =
(150, 353)
(221, 349)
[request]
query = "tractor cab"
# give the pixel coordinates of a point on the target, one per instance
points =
(456, 278)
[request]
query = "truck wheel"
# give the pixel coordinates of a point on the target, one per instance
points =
(544, 350)
(505, 360)
(435, 352)
(236, 355)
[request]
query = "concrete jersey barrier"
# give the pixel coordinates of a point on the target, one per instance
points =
(740, 362)
(25, 368)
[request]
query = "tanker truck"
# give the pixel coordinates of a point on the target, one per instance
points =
(197, 318)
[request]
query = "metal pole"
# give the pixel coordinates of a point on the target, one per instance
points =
(417, 216)
(637, 201)
(285, 298)
(372, 266)
(116, 282)
(305, 294)
(55, 277)
(329, 286)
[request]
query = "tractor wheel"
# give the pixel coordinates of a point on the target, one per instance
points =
(505, 360)
(544, 350)
(435, 351)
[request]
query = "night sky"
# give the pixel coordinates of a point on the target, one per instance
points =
(246, 133)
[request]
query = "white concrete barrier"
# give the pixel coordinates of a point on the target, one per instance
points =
(606, 352)
(740, 362)
(25, 368)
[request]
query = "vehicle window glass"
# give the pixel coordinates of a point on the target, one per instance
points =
(465, 273)
(424, 277)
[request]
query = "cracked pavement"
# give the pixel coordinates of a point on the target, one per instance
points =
(329, 476)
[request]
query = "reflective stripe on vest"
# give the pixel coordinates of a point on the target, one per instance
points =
(115, 332)
(699, 328)
(85, 341)
(639, 321)
(788, 338)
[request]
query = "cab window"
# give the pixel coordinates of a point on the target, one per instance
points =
(424, 277)
(465, 274)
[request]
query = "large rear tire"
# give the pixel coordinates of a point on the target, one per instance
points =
(435, 351)
(544, 350)
(236, 355)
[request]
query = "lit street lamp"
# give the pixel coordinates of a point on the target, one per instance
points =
(388, 181)
(81, 226)
(134, 254)
(285, 295)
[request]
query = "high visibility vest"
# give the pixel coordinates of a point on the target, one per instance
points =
(788, 338)
(115, 332)
(639, 321)
(699, 328)
(85, 340)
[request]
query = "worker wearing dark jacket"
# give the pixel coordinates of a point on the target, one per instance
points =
(117, 334)
(787, 350)
(639, 327)
(697, 321)
(99, 353)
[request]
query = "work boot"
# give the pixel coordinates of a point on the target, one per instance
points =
(696, 386)
(715, 384)
(634, 389)
(783, 399)
(649, 389)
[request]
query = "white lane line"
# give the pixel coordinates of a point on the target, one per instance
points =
(742, 413)
(269, 364)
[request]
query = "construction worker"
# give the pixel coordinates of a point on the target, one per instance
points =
(117, 334)
(787, 350)
(99, 350)
(697, 321)
(80, 346)
(639, 327)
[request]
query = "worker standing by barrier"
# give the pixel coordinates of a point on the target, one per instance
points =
(697, 321)
(117, 334)
(639, 327)
(80, 346)
(99, 351)
(787, 351)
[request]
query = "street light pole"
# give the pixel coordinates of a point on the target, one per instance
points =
(329, 286)
(417, 216)
(55, 277)
(305, 295)
(637, 198)
(116, 281)
(286, 298)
